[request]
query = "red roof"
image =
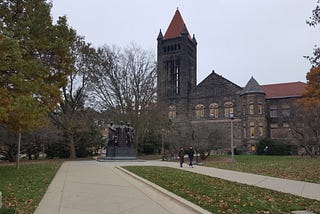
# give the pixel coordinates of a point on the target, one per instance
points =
(176, 26)
(281, 90)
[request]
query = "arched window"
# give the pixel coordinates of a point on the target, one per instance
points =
(251, 108)
(172, 112)
(261, 132)
(214, 110)
(199, 110)
(228, 109)
(252, 134)
(260, 109)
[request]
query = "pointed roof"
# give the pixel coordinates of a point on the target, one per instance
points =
(160, 36)
(176, 27)
(252, 87)
(282, 90)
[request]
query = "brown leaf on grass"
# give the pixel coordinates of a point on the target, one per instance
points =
(29, 201)
(270, 199)
(10, 201)
(237, 200)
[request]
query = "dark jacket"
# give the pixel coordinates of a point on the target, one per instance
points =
(181, 153)
(191, 153)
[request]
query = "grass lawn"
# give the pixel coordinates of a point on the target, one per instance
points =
(220, 196)
(23, 189)
(289, 167)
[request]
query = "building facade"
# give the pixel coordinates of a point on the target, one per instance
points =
(216, 111)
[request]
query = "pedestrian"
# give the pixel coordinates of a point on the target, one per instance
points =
(190, 155)
(181, 156)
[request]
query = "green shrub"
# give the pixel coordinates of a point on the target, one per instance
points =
(272, 147)
(148, 149)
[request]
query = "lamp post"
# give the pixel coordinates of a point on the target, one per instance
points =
(231, 134)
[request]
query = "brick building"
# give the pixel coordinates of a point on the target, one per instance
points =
(210, 113)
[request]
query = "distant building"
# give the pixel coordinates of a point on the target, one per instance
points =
(202, 113)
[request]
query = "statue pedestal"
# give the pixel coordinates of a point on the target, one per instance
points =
(121, 153)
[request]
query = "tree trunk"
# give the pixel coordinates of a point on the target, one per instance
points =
(18, 152)
(72, 146)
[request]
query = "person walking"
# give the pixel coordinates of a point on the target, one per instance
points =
(181, 156)
(190, 155)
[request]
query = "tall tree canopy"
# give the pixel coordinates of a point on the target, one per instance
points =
(123, 86)
(35, 62)
(71, 116)
(314, 21)
(306, 118)
(123, 81)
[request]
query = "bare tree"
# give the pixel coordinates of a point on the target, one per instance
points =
(70, 116)
(123, 86)
(305, 126)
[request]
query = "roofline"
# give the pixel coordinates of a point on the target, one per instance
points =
(213, 72)
(283, 83)
(256, 92)
(293, 96)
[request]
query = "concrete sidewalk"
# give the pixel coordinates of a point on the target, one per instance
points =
(91, 187)
(299, 188)
(104, 187)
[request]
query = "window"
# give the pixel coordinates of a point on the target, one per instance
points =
(213, 110)
(228, 108)
(252, 134)
(173, 77)
(172, 112)
(177, 79)
(285, 125)
(260, 109)
(261, 129)
(199, 110)
(274, 125)
(285, 111)
(273, 111)
(251, 109)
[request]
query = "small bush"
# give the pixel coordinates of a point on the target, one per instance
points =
(272, 147)
(148, 149)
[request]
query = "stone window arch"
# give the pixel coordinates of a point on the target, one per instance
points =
(172, 112)
(199, 110)
(228, 108)
(214, 110)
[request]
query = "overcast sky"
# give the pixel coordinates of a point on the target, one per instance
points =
(266, 39)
